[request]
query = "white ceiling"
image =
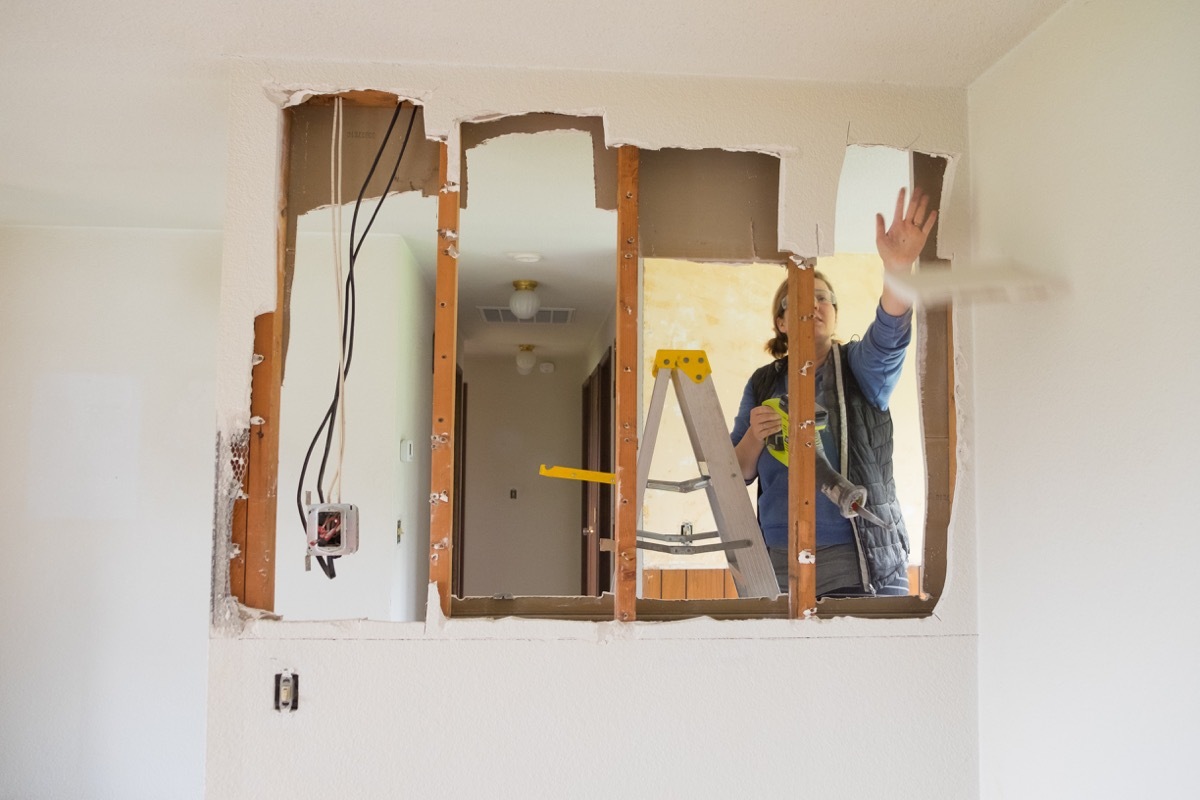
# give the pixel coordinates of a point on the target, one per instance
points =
(113, 114)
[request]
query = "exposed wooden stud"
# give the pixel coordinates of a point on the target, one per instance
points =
(266, 377)
(625, 589)
(802, 464)
(442, 488)
(262, 469)
(601, 608)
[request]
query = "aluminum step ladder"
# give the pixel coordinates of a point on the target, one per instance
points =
(738, 533)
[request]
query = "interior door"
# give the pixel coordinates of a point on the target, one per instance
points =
(596, 515)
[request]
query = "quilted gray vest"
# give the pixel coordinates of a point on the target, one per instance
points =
(869, 441)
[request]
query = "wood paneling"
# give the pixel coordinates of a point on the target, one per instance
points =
(674, 584)
(652, 584)
(706, 584)
(687, 584)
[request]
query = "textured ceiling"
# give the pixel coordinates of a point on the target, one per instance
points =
(114, 114)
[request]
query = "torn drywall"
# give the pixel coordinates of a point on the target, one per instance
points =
(364, 128)
(709, 205)
(604, 159)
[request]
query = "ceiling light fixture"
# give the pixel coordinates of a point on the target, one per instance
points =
(525, 359)
(524, 303)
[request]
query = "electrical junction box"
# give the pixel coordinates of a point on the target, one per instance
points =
(332, 529)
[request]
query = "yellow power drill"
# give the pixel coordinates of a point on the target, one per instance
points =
(849, 498)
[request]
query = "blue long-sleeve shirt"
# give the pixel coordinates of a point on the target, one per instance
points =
(876, 361)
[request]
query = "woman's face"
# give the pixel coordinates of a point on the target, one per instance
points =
(824, 314)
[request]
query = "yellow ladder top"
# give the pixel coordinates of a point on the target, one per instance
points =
(693, 363)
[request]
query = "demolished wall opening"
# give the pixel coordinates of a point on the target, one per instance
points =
(757, 246)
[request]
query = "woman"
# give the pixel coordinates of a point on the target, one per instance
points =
(854, 382)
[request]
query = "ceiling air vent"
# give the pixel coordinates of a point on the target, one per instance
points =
(545, 316)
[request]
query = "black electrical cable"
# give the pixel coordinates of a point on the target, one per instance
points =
(349, 317)
(348, 320)
(349, 313)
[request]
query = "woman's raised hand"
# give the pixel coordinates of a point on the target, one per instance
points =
(901, 243)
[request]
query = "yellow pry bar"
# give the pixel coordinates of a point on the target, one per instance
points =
(693, 363)
(592, 476)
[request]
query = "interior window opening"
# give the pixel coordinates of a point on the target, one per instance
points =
(516, 297)
(725, 310)
(388, 308)
(536, 290)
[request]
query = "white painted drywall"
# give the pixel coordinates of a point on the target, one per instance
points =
(1085, 167)
(387, 400)
(106, 348)
(529, 708)
(530, 544)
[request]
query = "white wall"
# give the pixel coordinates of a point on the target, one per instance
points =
(529, 545)
(1085, 166)
(387, 400)
(524, 709)
(106, 348)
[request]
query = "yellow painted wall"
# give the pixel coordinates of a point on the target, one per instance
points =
(726, 311)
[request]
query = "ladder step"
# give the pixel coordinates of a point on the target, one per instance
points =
(683, 487)
(678, 537)
(692, 549)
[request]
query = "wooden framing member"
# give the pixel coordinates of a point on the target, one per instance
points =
(445, 358)
(626, 358)
(802, 464)
(255, 573)
(262, 470)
